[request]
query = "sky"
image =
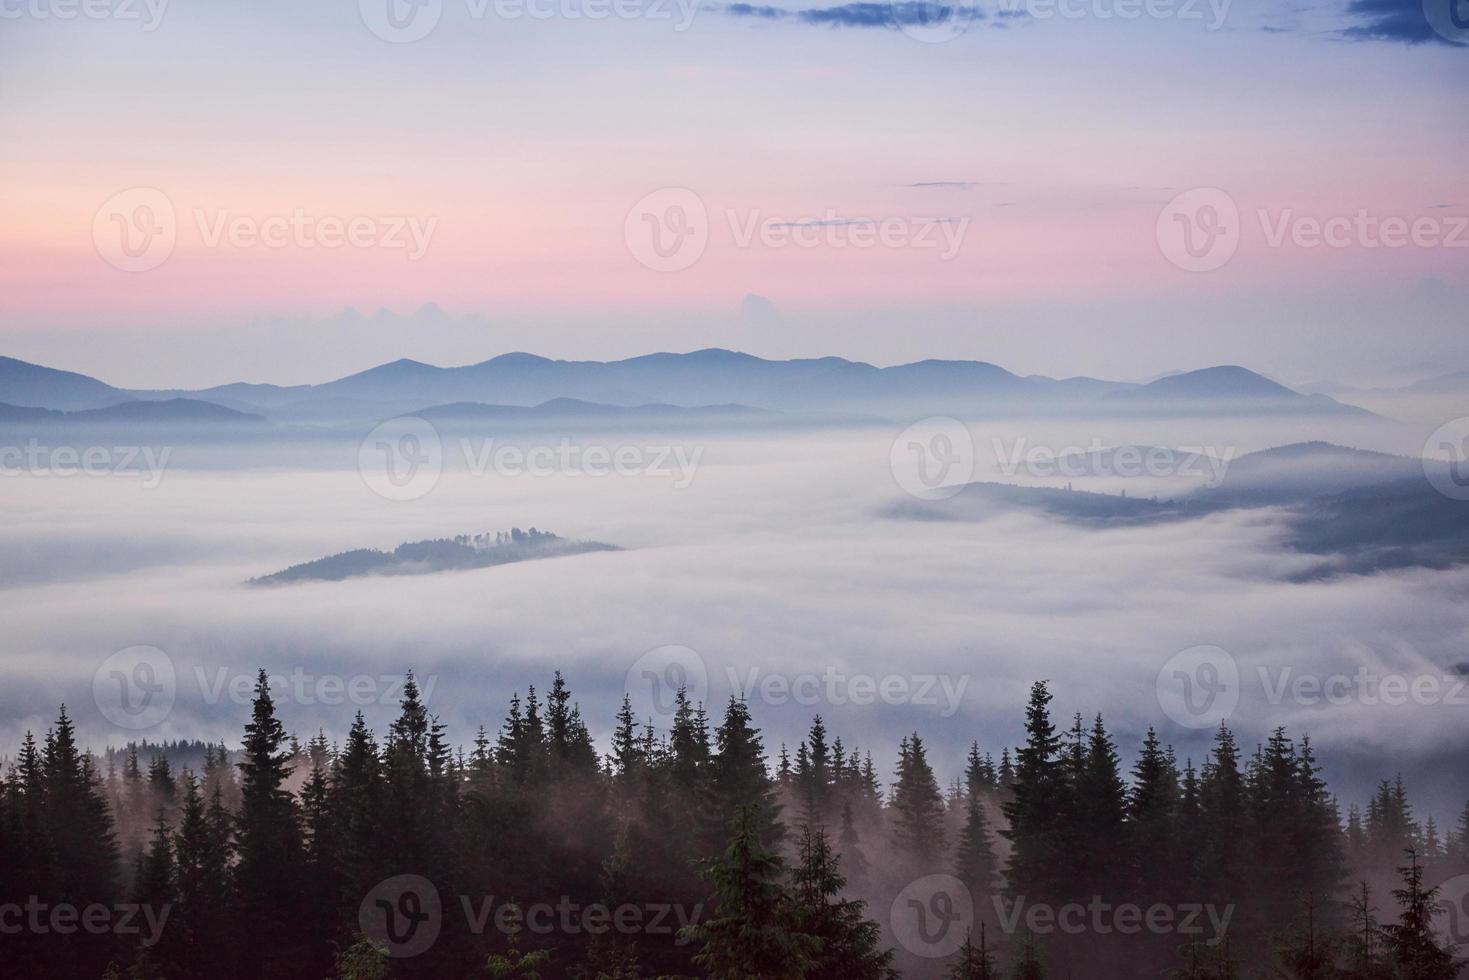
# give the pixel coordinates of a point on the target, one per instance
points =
(198, 191)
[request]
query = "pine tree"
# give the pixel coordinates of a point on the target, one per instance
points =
(918, 807)
(1037, 791)
(1411, 944)
(814, 774)
(858, 866)
(356, 808)
(750, 934)
(1028, 962)
(977, 866)
(201, 852)
(268, 873)
(849, 946)
(1101, 808)
(739, 778)
(974, 962)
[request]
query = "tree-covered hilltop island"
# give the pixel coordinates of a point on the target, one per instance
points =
(459, 553)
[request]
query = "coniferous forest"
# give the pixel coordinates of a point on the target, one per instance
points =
(701, 851)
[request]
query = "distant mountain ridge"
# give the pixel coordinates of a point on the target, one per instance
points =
(705, 379)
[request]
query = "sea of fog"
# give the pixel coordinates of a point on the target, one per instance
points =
(772, 567)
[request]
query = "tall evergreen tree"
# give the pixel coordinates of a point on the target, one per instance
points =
(267, 875)
(750, 934)
(849, 944)
(1037, 792)
(917, 807)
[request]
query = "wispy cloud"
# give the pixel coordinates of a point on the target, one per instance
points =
(1396, 20)
(906, 13)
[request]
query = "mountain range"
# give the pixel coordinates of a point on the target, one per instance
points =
(714, 381)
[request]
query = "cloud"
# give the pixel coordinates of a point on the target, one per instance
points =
(901, 13)
(1403, 21)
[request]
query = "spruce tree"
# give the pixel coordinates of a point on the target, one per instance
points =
(1036, 789)
(1412, 947)
(267, 874)
(750, 933)
(974, 962)
(849, 944)
(918, 808)
(976, 865)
